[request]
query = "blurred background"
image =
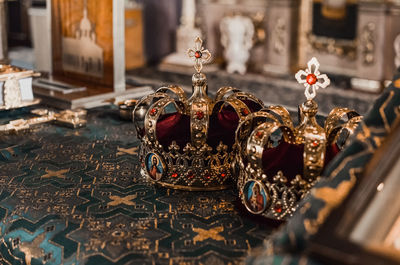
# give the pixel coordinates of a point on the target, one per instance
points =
(256, 44)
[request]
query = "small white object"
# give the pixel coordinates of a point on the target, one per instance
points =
(185, 35)
(40, 31)
(396, 45)
(335, 4)
(322, 80)
(12, 93)
(237, 38)
(188, 13)
(23, 90)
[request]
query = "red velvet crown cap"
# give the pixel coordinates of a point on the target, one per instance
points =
(288, 158)
(223, 124)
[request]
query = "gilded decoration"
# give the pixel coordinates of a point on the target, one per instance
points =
(275, 194)
(341, 48)
(368, 45)
(194, 152)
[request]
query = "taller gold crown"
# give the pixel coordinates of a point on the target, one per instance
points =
(187, 142)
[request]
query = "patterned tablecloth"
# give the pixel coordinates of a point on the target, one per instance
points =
(77, 197)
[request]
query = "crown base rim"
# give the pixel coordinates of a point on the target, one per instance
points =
(188, 188)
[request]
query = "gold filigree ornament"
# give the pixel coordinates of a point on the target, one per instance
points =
(270, 147)
(200, 161)
(69, 118)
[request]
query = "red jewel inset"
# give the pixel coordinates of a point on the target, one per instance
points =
(153, 112)
(223, 175)
(197, 54)
(199, 115)
(278, 208)
(190, 175)
(174, 175)
(244, 111)
(207, 176)
(315, 143)
(259, 134)
(311, 79)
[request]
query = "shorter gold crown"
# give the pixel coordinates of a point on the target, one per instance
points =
(255, 134)
(193, 164)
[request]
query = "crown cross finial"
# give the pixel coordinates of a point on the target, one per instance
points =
(199, 54)
(312, 79)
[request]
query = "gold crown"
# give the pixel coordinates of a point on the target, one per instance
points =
(187, 142)
(278, 163)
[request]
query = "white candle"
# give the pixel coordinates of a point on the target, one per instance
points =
(188, 13)
(336, 4)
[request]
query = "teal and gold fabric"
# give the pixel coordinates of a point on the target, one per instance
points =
(286, 245)
(78, 197)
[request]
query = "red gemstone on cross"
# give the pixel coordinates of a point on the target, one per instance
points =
(197, 54)
(245, 112)
(315, 143)
(199, 115)
(311, 79)
(223, 175)
(153, 112)
(174, 175)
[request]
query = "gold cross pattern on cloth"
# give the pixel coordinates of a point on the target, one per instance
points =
(129, 151)
(117, 200)
(55, 173)
(212, 233)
